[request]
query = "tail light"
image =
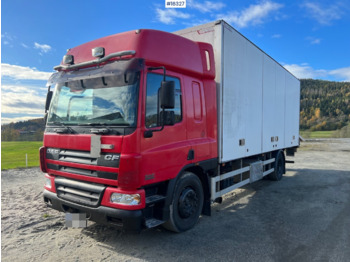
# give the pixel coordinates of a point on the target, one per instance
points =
(42, 159)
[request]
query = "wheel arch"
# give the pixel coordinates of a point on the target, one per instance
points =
(201, 170)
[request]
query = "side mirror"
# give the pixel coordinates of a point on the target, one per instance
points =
(167, 118)
(167, 95)
(48, 100)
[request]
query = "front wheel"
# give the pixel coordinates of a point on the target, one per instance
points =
(187, 203)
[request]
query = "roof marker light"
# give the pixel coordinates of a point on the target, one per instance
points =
(98, 52)
(96, 61)
(68, 59)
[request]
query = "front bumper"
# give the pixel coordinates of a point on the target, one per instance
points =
(127, 220)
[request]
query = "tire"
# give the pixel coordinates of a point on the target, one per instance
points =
(187, 203)
(279, 167)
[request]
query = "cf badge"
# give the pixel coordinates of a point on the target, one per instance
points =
(111, 157)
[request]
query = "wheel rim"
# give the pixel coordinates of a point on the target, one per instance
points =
(188, 203)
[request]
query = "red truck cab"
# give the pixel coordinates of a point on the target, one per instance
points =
(115, 149)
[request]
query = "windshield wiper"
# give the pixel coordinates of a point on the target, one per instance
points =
(110, 117)
(58, 123)
(62, 130)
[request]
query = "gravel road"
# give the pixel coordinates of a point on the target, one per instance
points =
(303, 217)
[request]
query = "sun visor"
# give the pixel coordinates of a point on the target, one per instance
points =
(126, 67)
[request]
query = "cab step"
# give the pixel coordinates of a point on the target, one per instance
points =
(152, 222)
(153, 199)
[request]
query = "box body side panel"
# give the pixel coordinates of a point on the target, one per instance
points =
(258, 99)
(242, 92)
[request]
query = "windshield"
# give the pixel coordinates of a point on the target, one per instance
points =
(104, 100)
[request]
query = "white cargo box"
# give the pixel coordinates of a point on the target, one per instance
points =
(258, 99)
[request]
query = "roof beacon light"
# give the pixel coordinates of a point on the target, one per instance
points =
(68, 59)
(96, 61)
(98, 52)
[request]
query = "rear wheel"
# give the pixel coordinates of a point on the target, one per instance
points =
(279, 167)
(187, 203)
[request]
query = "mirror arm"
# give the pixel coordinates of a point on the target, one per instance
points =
(159, 67)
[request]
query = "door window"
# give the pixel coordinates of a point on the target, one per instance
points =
(152, 100)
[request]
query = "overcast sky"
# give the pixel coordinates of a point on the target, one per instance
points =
(311, 38)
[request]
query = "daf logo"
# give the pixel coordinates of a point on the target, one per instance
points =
(111, 157)
(53, 151)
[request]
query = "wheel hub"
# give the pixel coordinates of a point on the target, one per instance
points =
(188, 203)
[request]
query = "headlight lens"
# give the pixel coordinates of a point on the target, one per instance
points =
(126, 199)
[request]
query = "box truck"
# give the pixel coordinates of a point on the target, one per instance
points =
(148, 128)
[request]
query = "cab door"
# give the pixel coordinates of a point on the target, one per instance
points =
(165, 152)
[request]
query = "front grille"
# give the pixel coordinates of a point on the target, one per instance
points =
(82, 193)
(82, 157)
(84, 172)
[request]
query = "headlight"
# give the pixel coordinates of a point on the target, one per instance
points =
(126, 199)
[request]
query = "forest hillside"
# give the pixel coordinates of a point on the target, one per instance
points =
(324, 105)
